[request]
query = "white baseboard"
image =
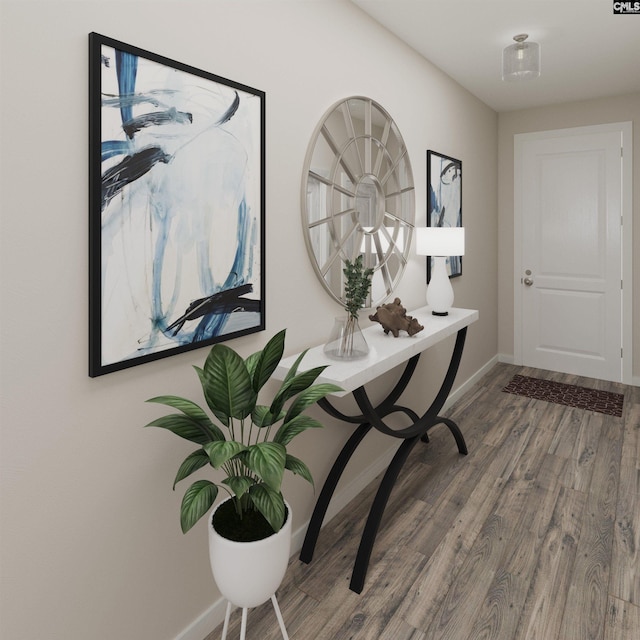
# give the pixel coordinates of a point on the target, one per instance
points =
(459, 391)
(202, 626)
(509, 359)
(214, 615)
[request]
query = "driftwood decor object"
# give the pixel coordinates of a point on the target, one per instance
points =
(393, 318)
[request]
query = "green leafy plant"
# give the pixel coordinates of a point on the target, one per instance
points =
(357, 285)
(253, 453)
(356, 290)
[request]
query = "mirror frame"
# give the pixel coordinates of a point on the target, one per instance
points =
(368, 154)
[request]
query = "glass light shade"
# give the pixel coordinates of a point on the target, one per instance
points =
(440, 241)
(521, 61)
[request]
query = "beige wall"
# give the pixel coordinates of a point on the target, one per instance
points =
(91, 544)
(576, 114)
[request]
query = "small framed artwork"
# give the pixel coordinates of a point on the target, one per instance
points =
(444, 201)
(176, 211)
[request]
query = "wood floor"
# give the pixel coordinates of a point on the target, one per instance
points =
(534, 535)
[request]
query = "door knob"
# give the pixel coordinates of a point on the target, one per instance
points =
(528, 281)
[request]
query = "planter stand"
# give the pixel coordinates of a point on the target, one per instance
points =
(243, 626)
(249, 573)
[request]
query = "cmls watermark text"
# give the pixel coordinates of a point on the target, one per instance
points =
(626, 6)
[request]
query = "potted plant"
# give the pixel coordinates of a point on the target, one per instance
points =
(247, 442)
(346, 341)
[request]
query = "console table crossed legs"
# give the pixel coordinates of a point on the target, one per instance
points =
(373, 417)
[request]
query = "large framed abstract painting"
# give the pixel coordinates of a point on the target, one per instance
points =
(444, 201)
(177, 192)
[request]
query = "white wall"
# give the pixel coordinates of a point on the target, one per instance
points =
(574, 114)
(91, 544)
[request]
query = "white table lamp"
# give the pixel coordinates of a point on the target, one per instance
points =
(440, 243)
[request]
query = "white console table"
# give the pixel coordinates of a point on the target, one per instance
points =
(386, 352)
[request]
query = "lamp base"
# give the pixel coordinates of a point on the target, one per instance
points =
(439, 290)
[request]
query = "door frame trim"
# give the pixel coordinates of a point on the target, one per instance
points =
(626, 133)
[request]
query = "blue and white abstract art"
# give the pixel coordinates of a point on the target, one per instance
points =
(177, 207)
(444, 201)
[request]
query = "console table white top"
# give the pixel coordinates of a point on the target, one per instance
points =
(385, 351)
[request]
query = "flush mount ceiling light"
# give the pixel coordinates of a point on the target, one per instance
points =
(521, 61)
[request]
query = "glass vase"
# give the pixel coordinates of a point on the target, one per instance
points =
(346, 341)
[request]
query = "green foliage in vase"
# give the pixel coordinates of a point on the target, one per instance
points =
(250, 448)
(357, 285)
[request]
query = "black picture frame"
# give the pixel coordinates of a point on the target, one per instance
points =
(444, 201)
(176, 207)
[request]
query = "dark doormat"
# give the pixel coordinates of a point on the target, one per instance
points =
(570, 395)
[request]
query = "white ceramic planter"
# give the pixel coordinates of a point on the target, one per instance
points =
(249, 573)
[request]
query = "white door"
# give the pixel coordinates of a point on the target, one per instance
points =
(568, 212)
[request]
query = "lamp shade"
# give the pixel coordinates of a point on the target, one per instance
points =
(521, 61)
(440, 241)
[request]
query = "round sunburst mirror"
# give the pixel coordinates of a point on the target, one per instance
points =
(358, 197)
